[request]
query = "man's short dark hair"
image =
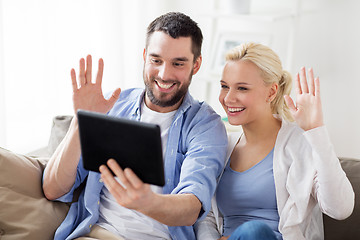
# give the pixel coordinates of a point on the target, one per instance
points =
(176, 24)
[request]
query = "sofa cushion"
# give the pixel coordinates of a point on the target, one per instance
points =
(60, 125)
(348, 228)
(24, 211)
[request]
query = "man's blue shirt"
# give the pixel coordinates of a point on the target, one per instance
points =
(194, 157)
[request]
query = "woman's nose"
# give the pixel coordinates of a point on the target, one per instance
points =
(230, 97)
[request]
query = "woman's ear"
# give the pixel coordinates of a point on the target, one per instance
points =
(273, 91)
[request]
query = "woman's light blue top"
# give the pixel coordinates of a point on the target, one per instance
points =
(248, 195)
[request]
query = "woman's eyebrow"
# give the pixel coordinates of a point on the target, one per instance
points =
(238, 83)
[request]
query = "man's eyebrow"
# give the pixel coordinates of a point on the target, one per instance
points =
(181, 59)
(154, 55)
(177, 59)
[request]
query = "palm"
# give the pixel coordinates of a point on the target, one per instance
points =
(88, 95)
(308, 110)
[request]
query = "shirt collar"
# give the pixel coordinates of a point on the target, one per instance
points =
(136, 109)
(185, 105)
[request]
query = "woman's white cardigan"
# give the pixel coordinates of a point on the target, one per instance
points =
(308, 180)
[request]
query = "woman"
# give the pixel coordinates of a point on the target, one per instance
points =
(280, 175)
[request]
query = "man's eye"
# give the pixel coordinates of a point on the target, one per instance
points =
(157, 61)
(176, 64)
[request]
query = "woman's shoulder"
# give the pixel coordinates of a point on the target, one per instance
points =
(290, 135)
(233, 138)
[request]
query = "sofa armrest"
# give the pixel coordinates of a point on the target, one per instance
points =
(348, 228)
(25, 213)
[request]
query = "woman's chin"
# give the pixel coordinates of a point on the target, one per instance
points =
(234, 122)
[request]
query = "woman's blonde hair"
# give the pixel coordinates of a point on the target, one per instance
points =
(271, 70)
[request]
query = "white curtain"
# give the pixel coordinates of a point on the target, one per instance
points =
(42, 41)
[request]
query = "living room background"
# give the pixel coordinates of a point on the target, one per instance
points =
(41, 40)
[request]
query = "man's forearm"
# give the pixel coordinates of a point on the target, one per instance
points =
(174, 209)
(60, 172)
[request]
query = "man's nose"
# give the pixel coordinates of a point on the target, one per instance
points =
(165, 72)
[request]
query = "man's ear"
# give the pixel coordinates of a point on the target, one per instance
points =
(197, 65)
(144, 54)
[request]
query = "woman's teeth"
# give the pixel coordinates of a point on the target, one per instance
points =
(236, 109)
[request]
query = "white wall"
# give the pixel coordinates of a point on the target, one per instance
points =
(43, 40)
(328, 40)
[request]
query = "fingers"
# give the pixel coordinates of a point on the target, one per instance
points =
(82, 77)
(303, 82)
(85, 74)
(303, 85)
(127, 177)
(290, 104)
(88, 69)
(114, 97)
(114, 166)
(100, 72)
(311, 82)
(114, 186)
(133, 179)
(73, 80)
(297, 84)
(127, 189)
(317, 87)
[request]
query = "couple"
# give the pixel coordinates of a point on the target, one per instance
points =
(295, 176)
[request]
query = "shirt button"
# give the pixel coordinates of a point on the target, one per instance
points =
(98, 202)
(90, 226)
(100, 180)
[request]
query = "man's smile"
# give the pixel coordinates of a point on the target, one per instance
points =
(167, 87)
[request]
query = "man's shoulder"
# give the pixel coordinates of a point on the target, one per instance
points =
(127, 103)
(199, 107)
(130, 94)
(200, 116)
(203, 111)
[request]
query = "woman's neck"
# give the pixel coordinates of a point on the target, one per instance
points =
(264, 129)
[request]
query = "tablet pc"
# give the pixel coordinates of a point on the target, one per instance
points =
(133, 144)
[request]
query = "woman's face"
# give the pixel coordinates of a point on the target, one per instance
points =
(244, 95)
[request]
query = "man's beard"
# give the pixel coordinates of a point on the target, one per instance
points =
(165, 103)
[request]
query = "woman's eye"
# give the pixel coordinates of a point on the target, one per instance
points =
(224, 86)
(242, 89)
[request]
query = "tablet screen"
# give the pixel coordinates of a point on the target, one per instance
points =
(133, 144)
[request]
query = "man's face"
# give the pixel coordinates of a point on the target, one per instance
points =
(168, 69)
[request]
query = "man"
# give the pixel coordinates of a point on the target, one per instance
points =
(193, 137)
